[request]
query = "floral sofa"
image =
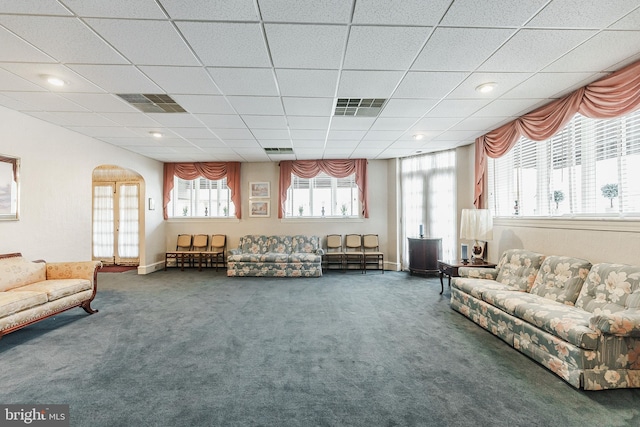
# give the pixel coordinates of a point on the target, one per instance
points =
(281, 256)
(580, 321)
(32, 291)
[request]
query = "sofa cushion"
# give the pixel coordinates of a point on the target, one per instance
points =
(560, 278)
(518, 268)
(564, 321)
(281, 244)
(476, 287)
(307, 244)
(508, 300)
(14, 302)
(259, 257)
(17, 271)
(254, 244)
(56, 289)
(304, 257)
(610, 288)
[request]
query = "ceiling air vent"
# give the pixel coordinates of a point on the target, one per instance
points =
(278, 150)
(369, 107)
(152, 103)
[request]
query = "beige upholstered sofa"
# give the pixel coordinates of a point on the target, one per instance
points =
(32, 291)
(580, 321)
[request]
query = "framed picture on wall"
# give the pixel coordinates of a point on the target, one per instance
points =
(259, 208)
(259, 190)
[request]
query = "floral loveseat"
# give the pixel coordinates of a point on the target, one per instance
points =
(580, 321)
(282, 256)
(32, 291)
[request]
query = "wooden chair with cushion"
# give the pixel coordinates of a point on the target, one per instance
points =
(183, 250)
(353, 254)
(334, 255)
(216, 253)
(200, 244)
(371, 252)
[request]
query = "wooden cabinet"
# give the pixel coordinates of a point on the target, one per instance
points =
(424, 255)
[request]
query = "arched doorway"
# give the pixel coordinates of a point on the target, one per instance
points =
(117, 209)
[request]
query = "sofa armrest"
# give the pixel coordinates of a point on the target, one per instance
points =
(478, 272)
(73, 270)
(234, 251)
(622, 323)
(319, 251)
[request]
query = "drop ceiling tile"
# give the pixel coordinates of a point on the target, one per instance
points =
(209, 10)
(342, 143)
(308, 122)
(391, 153)
(308, 154)
(384, 48)
(406, 12)
(181, 80)
(480, 124)
(44, 101)
(131, 119)
(261, 134)
(275, 143)
(131, 142)
(14, 104)
(306, 46)
(117, 78)
(225, 134)
(38, 72)
(145, 42)
(378, 145)
(495, 13)
(466, 136)
(142, 9)
(517, 55)
(435, 85)
(337, 153)
(311, 83)
(504, 82)
(245, 81)
(457, 107)
(16, 49)
(326, 11)
(365, 153)
(397, 107)
(145, 132)
(612, 47)
(193, 132)
(368, 84)
(208, 143)
(629, 22)
(508, 107)
(460, 49)
(306, 134)
(204, 104)
(100, 102)
(74, 42)
(11, 82)
(221, 121)
(346, 134)
(381, 135)
(227, 44)
(243, 143)
(33, 7)
(308, 144)
(435, 123)
(551, 85)
(308, 106)
(351, 123)
(581, 14)
(258, 105)
(104, 131)
(72, 118)
(394, 123)
(265, 122)
(175, 119)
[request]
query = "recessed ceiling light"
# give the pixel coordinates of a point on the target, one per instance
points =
(55, 81)
(486, 87)
(418, 136)
(155, 134)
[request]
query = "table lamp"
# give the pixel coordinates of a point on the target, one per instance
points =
(476, 225)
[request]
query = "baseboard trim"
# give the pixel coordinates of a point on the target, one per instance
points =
(146, 269)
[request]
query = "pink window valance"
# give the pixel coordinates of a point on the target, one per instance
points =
(335, 168)
(14, 163)
(612, 96)
(209, 170)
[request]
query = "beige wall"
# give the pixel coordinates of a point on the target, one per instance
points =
(55, 190)
(380, 184)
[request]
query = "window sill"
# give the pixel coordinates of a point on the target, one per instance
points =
(204, 219)
(327, 219)
(627, 225)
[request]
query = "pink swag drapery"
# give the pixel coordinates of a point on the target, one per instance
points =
(335, 168)
(209, 170)
(14, 163)
(612, 96)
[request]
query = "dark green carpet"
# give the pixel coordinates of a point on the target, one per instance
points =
(199, 349)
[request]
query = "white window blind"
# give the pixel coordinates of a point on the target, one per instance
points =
(590, 168)
(322, 195)
(200, 197)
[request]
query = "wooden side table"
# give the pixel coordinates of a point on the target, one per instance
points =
(450, 268)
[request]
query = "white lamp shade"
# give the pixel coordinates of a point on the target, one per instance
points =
(476, 224)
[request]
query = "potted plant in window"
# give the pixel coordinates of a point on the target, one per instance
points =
(609, 191)
(185, 210)
(558, 196)
(343, 209)
(300, 209)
